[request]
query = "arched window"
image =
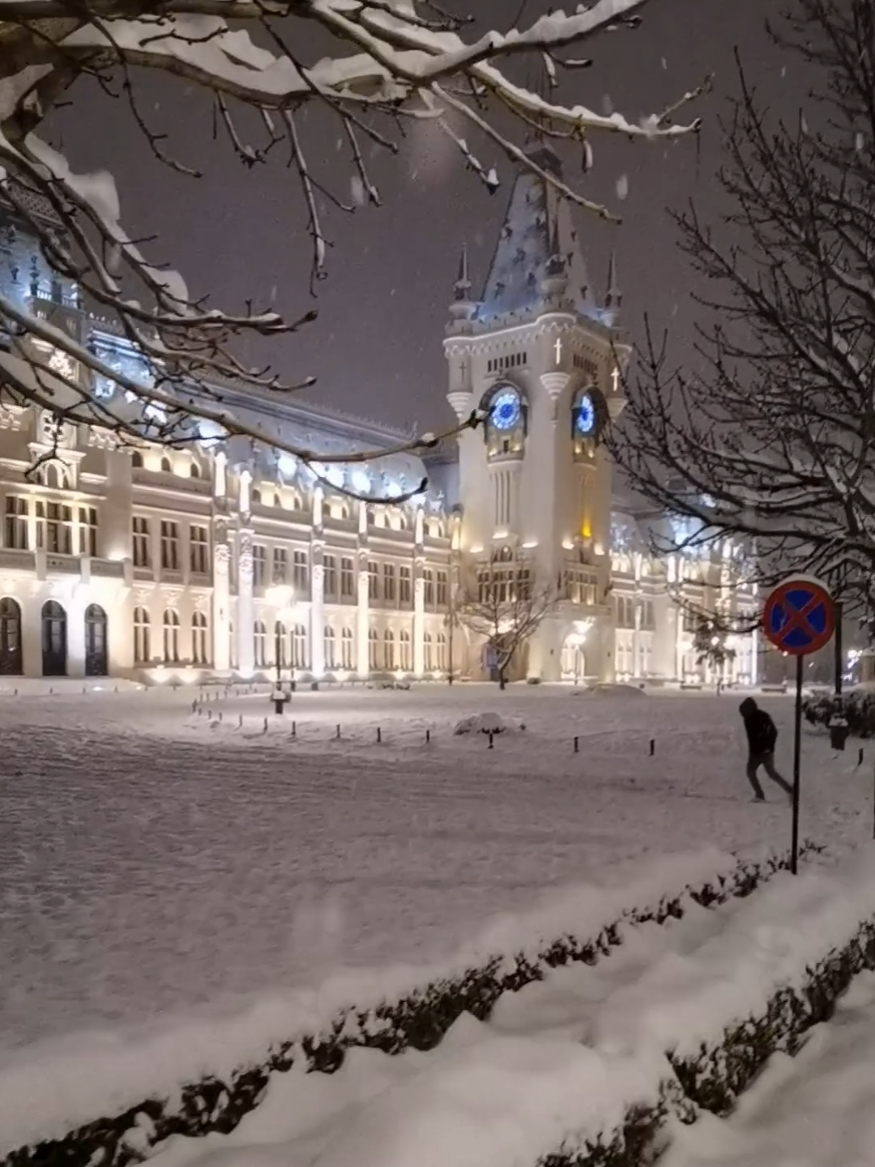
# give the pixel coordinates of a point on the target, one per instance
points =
(428, 652)
(441, 652)
(171, 637)
(166, 465)
(194, 470)
(96, 646)
(389, 649)
(255, 495)
(260, 646)
(406, 656)
(280, 647)
(372, 649)
(142, 652)
(10, 638)
(199, 652)
(299, 647)
(506, 421)
(346, 649)
(54, 476)
(330, 642)
(137, 460)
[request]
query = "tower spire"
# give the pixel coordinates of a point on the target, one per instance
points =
(463, 308)
(463, 284)
(614, 297)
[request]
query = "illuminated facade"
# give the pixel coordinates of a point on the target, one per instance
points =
(210, 560)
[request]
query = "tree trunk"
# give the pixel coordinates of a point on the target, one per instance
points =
(502, 681)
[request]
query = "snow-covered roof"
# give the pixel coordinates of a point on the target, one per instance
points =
(536, 219)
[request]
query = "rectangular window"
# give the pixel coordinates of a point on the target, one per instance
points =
(199, 547)
(280, 566)
(442, 589)
(169, 545)
(373, 581)
(389, 581)
(405, 591)
(88, 531)
(259, 565)
(300, 572)
(428, 581)
(347, 579)
(54, 529)
(141, 541)
(16, 523)
(329, 577)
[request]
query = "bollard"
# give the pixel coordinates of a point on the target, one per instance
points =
(51, 690)
(240, 721)
(265, 725)
(577, 745)
(427, 736)
(337, 735)
(294, 729)
(379, 735)
(491, 743)
(860, 758)
(652, 746)
(220, 715)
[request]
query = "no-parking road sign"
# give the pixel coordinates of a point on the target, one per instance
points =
(799, 617)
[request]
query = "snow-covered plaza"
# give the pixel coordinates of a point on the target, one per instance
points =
(155, 859)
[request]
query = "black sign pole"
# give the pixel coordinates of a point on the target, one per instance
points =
(797, 749)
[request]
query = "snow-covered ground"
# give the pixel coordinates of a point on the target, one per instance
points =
(815, 1110)
(560, 1061)
(154, 860)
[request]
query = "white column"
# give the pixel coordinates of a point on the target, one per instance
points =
(636, 639)
(75, 606)
(419, 599)
(317, 620)
(245, 605)
(754, 656)
(221, 603)
(418, 619)
(363, 622)
(220, 478)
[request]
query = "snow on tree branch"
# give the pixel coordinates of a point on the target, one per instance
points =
(393, 61)
(773, 440)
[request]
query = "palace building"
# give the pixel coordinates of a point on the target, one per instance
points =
(162, 564)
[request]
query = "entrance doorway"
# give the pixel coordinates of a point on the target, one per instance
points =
(10, 638)
(96, 657)
(54, 621)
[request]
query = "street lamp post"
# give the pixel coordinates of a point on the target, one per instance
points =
(280, 597)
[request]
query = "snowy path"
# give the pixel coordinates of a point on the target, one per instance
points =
(815, 1110)
(152, 864)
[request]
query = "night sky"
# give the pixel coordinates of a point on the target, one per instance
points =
(376, 349)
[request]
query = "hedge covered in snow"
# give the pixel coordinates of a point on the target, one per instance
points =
(734, 1012)
(418, 1018)
(859, 711)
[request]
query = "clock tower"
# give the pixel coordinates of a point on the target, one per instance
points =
(539, 356)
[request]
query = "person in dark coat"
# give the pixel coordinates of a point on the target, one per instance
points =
(762, 737)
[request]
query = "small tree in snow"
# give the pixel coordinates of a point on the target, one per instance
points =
(773, 439)
(389, 62)
(505, 611)
(710, 644)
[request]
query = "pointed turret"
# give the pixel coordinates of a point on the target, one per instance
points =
(463, 308)
(537, 243)
(614, 297)
(555, 282)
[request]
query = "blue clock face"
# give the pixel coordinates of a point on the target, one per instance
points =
(505, 412)
(586, 419)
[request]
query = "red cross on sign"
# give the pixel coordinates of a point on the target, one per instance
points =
(799, 617)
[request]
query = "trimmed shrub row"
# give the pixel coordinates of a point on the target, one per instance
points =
(720, 1073)
(858, 707)
(419, 1020)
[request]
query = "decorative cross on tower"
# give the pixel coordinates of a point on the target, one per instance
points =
(615, 380)
(558, 349)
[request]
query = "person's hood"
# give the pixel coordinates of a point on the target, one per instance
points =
(748, 706)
